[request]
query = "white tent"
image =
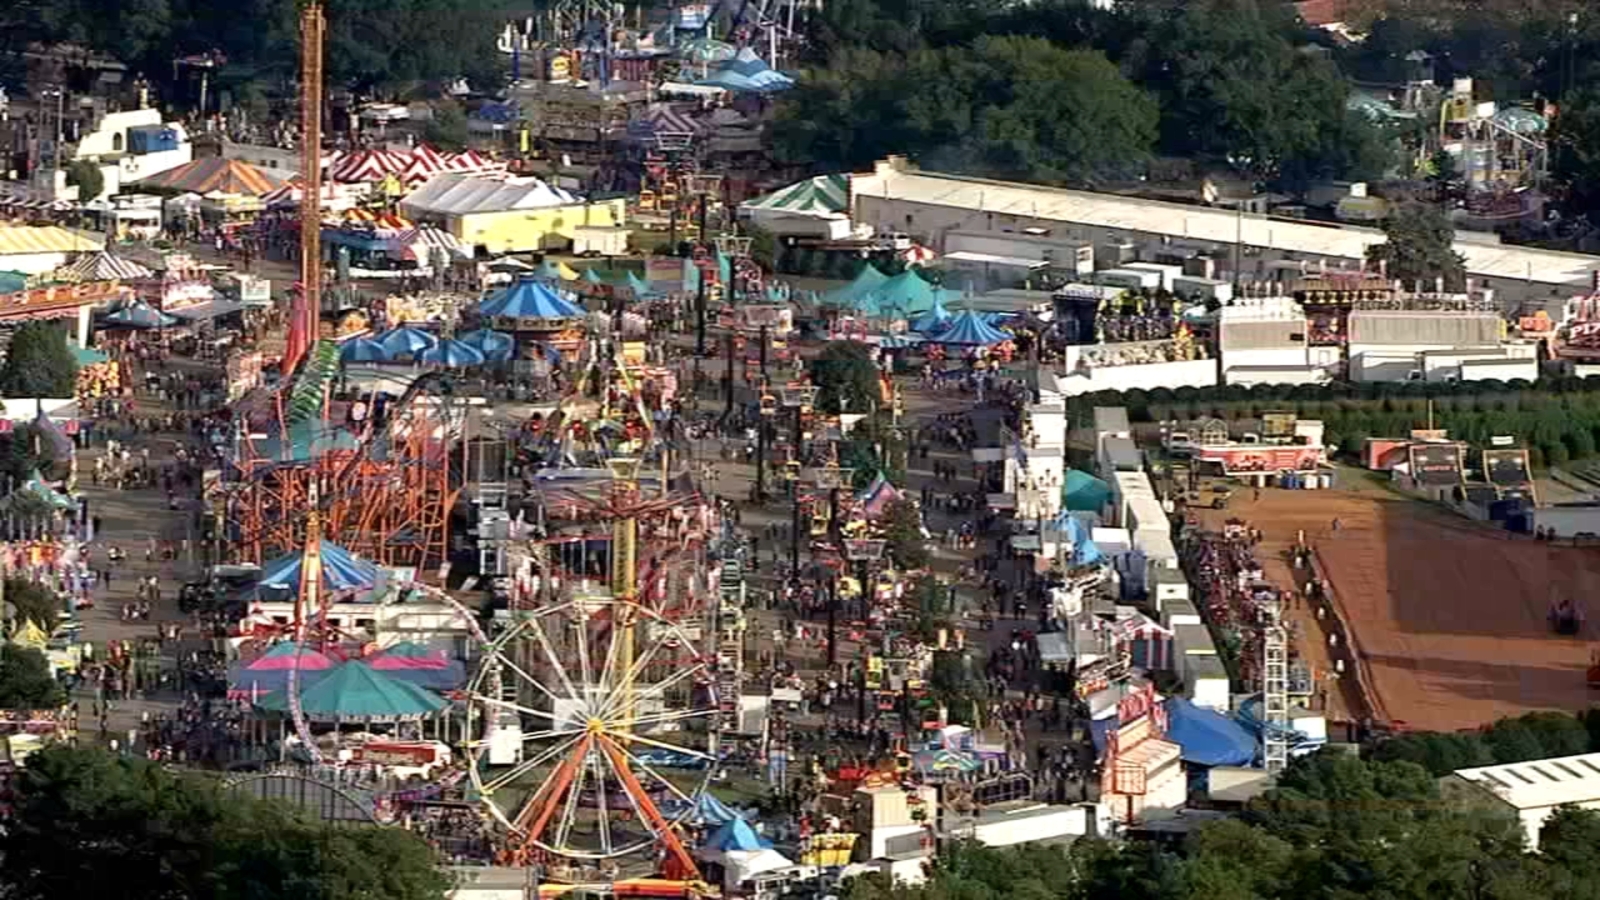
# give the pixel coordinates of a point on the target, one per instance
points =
(742, 865)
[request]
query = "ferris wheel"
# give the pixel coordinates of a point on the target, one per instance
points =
(594, 728)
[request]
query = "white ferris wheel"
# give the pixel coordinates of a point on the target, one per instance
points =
(594, 724)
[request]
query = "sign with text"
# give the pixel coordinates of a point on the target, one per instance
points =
(1255, 459)
(1506, 468)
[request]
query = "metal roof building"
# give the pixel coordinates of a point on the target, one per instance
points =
(1534, 789)
(900, 198)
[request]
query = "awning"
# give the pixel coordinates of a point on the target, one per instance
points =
(210, 309)
(991, 259)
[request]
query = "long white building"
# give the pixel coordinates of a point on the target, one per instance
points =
(896, 197)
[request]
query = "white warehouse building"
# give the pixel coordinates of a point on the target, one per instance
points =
(896, 197)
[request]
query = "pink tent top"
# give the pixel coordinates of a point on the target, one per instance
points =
(408, 655)
(282, 657)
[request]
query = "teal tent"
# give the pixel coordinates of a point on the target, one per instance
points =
(904, 295)
(1082, 492)
(857, 290)
(356, 692)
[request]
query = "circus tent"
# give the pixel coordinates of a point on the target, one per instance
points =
(368, 166)
(357, 692)
(213, 175)
(970, 328)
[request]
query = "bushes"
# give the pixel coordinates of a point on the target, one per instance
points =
(1558, 419)
(1539, 735)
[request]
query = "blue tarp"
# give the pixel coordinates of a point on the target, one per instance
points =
(711, 811)
(1084, 550)
(1208, 738)
(747, 73)
(341, 571)
(529, 299)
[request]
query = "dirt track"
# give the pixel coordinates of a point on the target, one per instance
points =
(1450, 617)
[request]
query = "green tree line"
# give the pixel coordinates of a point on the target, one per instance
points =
(1558, 419)
(1336, 827)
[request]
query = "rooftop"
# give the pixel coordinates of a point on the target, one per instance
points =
(1541, 782)
(1485, 259)
(466, 194)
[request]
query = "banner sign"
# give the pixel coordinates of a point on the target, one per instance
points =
(1436, 464)
(1251, 459)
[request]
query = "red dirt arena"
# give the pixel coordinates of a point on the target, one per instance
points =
(1450, 617)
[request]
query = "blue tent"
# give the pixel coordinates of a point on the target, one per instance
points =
(452, 354)
(641, 289)
(495, 345)
(362, 350)
(932, 321)
(711, 811)
(1085, 552)
(748, 73)
(341, 571)
(969, 328)
(406, 340)
(1208, 738)
(528, 298)
(736, 835)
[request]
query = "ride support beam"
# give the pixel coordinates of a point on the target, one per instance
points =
(630, 783)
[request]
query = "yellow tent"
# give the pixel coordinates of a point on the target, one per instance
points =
(567, 272)
(30, 635)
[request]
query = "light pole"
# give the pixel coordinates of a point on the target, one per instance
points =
(830, 478)
(799, 398)
(863, 552)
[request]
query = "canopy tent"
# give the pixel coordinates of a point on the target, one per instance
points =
(420, 665)
(52, 433)
(743, 865)
(270, 671)
(30, 635)
(529, 299)
(214, 175)
(1084, 550)
(1082, 492)
(735, 835)
(593, 278)
(637, 286)
(368, 166)
(1208, 738)
(934, 319)
(138, 314)
(37, 489)
(102, 266)
(494, 345)
(362, 350)
(341, 571)
(747, 73)
(904, 295)
(825, 196)
(865, 282)
(548, 271)
(11, 282)
(452, 354)
(969, 328)
(356, 692)
(510, 265)
(406, 340)
(944, 760)
(877, 496)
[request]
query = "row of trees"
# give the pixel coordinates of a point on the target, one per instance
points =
(84, 822)
(1336, 827)
(1062, 92)
(371, 44)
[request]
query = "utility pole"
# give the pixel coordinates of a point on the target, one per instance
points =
(700, 318)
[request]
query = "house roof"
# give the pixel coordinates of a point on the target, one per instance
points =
(1194, 224)
(214, 175)
(1540, 783)
(456, 195)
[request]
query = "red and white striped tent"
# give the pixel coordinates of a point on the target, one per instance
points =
(425, 155)
(368, 166)
(422, 240)
(467, 161)
(419, 169)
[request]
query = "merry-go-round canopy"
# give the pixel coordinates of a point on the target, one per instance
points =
(452, 354)
(356, 692)
(270, 671)
(529, 298)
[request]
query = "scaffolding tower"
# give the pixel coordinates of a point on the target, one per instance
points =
(730, 625)
(1274, 689)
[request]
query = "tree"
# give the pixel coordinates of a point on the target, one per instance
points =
(1418, 248)
(84, 820)
(26, 681)
(902, 529)
(86, 175)
(846, 378)
(39, 363)
(1575, 149)
(448, 128)
(33, 602)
